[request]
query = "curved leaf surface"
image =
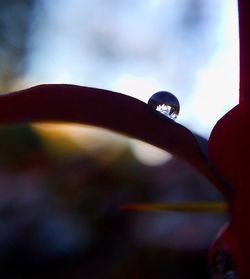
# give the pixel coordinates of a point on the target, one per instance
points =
(106, 109)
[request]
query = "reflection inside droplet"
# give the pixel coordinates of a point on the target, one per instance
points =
(165, 103)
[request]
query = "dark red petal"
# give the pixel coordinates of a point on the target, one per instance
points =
(223, 145)
(244, 22)
(241, 207)
(229, 151)
(102, 108)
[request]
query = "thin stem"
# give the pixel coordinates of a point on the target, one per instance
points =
(244, 27)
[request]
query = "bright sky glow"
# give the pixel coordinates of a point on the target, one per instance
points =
(217, 87)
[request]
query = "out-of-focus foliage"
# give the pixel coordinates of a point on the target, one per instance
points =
(15, 19)
(60, 215)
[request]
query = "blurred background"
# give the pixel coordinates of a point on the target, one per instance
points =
(62, 185)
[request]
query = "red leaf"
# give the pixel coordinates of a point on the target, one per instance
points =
(224, 146)
(229, 151)
(102, 108)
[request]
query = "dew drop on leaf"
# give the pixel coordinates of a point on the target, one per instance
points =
(165, 103)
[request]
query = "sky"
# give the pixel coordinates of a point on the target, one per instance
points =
(187, 47)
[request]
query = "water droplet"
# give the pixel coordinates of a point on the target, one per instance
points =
(223, 266)
(165, 103)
